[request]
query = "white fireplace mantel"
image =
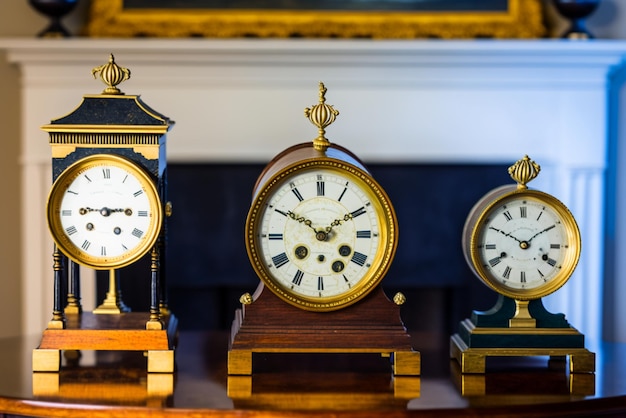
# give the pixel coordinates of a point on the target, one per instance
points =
(416, 101)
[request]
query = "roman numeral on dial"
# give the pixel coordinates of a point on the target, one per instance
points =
(523, 211)
(358, 258)
(507, 272)
(494, 261)
(296, 192)
(320, 186)
(297, 278)
(280, 260)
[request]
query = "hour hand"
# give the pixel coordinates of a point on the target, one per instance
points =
(104, 211)
(301, 219)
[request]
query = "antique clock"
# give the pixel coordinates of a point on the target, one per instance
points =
(321, 234)
(107, 209)
(524, 244)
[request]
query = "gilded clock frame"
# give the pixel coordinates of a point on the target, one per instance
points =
(567, 267)
(55, 199)
(380, 265)
(109, 18)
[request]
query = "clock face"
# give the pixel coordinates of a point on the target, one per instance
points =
(104, 212)
(321, 235)
(525, 245)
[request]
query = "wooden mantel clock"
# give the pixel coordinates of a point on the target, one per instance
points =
(524, 244)
(321, 234)
(107, 209)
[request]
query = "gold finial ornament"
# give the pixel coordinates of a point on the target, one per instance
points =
(399, 298)
(523, 171)
(321, 115)
(246, 299)
(111, 74)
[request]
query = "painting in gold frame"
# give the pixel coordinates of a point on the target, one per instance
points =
(114, 18)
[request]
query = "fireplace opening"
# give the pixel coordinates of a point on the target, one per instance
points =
(207, 268)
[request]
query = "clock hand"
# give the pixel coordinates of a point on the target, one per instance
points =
(541, 232)
(108, 211)
(103, 211)
(301, 219)
(522, 244)
(320, 234)
(505, 234)
(338, 222)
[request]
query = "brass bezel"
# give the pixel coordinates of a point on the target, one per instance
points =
(107, 18)
(569, 223)
(388, 232)
(56, 196)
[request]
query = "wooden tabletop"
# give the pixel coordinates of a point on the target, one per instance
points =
(112, 383)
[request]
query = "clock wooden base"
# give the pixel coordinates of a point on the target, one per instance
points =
(109, 332)
(269, 325)
(516, 329)
(546, 385)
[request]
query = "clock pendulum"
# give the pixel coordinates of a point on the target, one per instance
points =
(107, 209)
(524, 244)
(320, 234)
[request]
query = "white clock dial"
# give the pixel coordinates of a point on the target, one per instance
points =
(323, 237)
(525, 245)
(104, 213)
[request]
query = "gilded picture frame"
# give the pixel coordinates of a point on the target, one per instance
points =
(111, 18)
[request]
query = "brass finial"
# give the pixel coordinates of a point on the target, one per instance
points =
(246, 299)
(399, 298)
(523, 171)
(321, 115)
(112, 75)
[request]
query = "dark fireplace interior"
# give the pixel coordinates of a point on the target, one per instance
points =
(208, 269)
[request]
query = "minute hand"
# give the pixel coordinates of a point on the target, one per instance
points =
(541, 232)
(504, 233)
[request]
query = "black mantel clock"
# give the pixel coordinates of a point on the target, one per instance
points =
(321, 234)
(524, 244)
(107, 209)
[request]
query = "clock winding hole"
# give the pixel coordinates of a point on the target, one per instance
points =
(301, 252)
